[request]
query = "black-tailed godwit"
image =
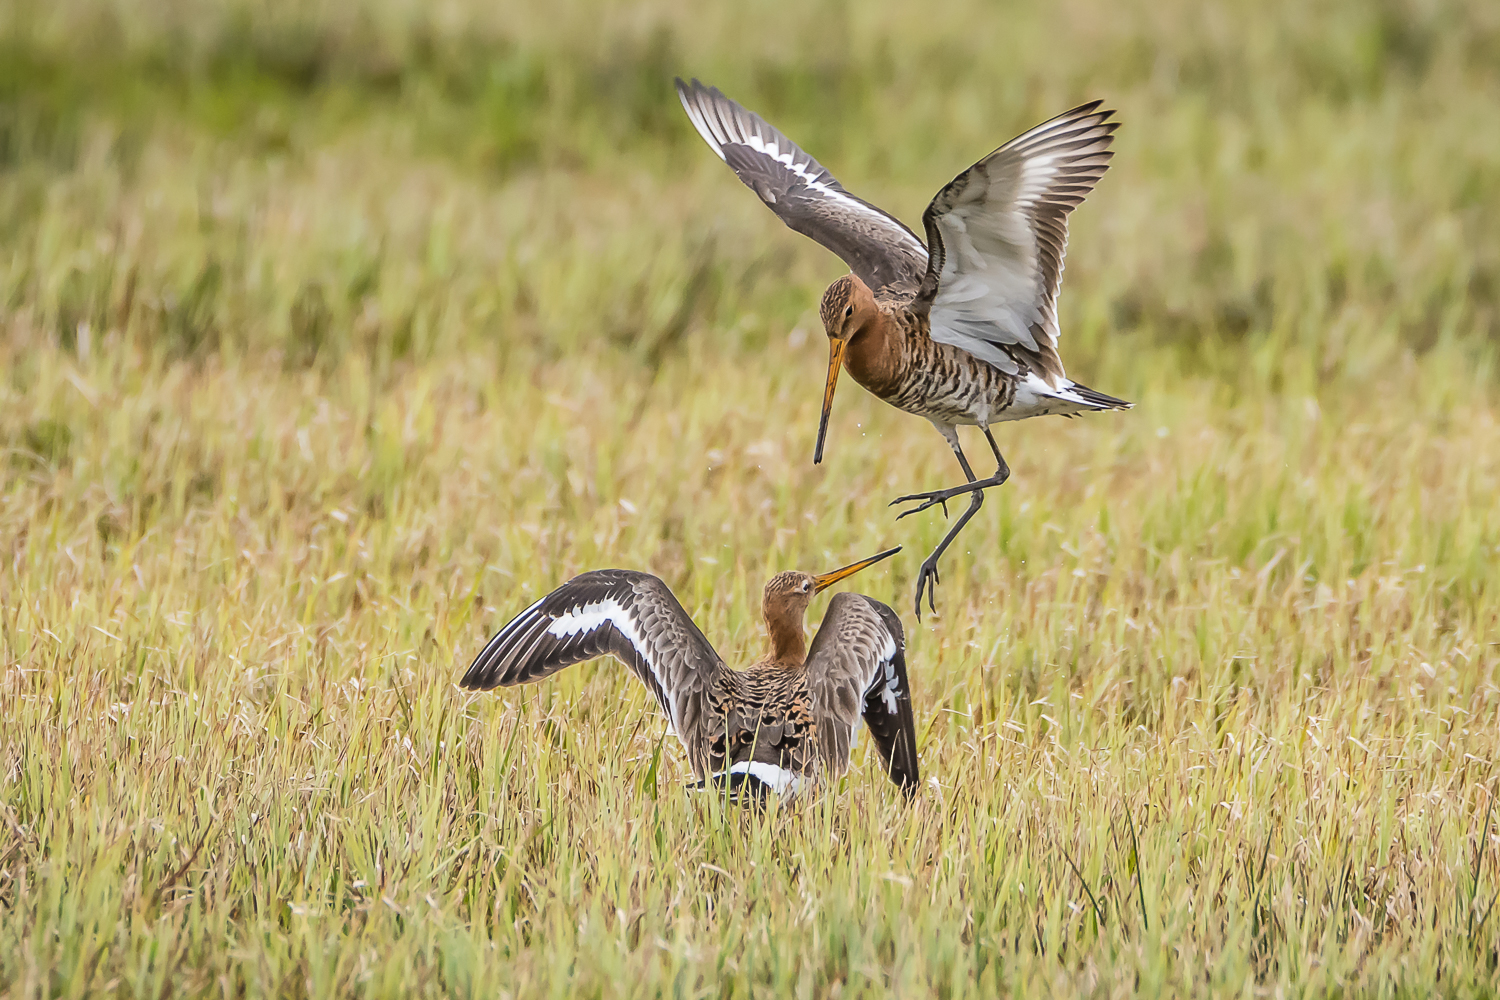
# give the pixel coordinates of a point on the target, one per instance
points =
(963, 329)
(784, 722)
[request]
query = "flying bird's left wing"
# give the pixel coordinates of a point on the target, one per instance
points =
(882, 252)
(997, 234)
(857, 668)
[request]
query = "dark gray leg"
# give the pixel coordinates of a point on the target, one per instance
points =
(1002, 471)
(975, 486)
(927, 576)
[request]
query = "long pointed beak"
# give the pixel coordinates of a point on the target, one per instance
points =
(822, 583)
(835, 356)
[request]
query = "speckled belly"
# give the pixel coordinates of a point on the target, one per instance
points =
(953, 387)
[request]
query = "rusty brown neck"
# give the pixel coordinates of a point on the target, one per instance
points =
(873, 357)
(788, 647)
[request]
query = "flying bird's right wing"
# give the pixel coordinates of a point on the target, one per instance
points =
(882, 252)
(997, 234)
(630, 615)
(857, 668)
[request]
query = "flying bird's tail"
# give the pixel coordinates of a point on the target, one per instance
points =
(1036, 397)
(1096, 400)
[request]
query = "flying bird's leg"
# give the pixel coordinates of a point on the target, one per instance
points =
(975, 486)
(927, 576)
(1002, 471)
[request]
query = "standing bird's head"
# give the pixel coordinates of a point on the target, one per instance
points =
(847, 308)
(784, 605)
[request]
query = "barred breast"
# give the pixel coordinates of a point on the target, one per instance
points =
(950, 386)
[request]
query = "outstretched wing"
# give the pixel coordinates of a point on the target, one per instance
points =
(857, 667)
(632, 616)
(882, 252)
(997, 235)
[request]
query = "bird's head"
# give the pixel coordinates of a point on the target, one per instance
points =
(788, 594)
(847, 308)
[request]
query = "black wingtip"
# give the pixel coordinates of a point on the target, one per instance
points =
(905, 769)
(686, 92)
(694, 87)
(475, 679)
(906, 775)
(1092, 108)
(484, 673)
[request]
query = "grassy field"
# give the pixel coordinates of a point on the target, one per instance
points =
(333, 335)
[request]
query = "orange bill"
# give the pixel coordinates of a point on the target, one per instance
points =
(835, 356)
(822, 583)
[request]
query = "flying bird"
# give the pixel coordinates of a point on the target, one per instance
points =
(786, 722)
(961, 329)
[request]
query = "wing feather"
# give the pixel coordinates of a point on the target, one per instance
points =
(997, 235)
(630, 615)
(856, 669)
(882, 252)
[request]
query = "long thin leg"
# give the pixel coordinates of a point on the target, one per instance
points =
(974, 486)
(1002, 471)
(927, 576)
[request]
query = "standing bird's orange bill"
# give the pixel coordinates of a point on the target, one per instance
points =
(826, 580)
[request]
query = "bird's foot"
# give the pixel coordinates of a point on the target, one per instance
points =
(927, 579)
(933, 498)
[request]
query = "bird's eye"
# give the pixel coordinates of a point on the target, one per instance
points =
(806, 586)
(848, 311)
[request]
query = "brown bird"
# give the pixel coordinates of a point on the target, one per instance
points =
(963, 329)
(785, 722)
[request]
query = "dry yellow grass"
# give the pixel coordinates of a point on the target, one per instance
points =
(331, 340)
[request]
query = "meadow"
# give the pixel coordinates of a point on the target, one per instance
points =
(332, 335)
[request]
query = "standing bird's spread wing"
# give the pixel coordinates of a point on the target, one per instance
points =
(997, 235)
(632, 616)
(857, 667)
(882, 252)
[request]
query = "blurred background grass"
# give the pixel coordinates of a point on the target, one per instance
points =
(333, 334)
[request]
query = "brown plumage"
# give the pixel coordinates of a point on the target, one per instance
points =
(786, 720)
(962, 329)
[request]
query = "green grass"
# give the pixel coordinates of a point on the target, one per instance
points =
(332, 336)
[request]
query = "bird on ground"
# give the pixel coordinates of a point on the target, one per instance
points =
(785, 723)
(962, 329)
